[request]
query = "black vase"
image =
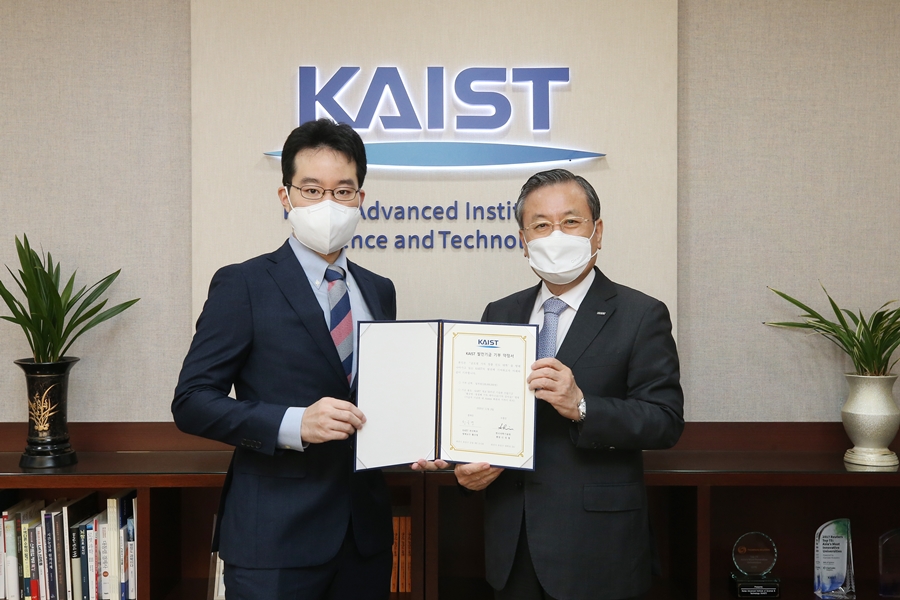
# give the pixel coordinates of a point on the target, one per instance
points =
(48, 425)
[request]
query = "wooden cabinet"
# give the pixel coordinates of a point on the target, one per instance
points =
(177, 497)
(700, 503)
(702, 495)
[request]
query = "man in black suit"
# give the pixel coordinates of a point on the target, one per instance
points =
(295, 521)
(576, 528)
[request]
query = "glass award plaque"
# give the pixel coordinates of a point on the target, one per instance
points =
(754, 555)
(834, 561)
(889, 564)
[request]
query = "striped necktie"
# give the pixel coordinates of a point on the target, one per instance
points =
(547, 336)
(341, 319)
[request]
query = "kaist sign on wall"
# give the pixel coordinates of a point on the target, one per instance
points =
(387, 93)
(458, 106)
(390, 105)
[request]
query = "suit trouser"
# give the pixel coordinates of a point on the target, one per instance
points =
(523, 582)
(347, 576)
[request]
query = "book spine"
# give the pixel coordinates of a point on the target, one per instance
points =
(395, 554)
(12, 565)
(27, 556)
(408, 553)
(401, 559)
(92, 562)
(75, 561)
(122, 566)
(104, 562)
(83, 543)
(12, 580)
(130, 557)
(132, 575)
(3, 557)
(20, 557)
(61, 558)
(39, 573)
(49, 559)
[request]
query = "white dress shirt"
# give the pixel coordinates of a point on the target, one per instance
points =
(573, 298)
(314, 266)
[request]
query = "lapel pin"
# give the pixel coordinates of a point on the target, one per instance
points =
(601, 313)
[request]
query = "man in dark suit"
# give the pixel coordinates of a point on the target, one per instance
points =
(576, 528)
(295, 521)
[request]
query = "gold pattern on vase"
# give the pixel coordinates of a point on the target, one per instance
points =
(40, 410)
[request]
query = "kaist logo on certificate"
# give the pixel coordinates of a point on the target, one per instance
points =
(452, 390)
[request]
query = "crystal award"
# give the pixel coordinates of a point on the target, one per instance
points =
(754, 554)
(889, 564)
(834, 561)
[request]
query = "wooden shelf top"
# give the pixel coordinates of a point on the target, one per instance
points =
(669, 467)
(662, 467)
(128, 463)
(123, 469)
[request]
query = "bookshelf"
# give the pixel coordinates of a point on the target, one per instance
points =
(722, 480)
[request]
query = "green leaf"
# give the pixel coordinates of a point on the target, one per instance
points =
(869, 342)
(53, 318)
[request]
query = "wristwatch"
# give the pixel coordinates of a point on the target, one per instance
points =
(582, 411)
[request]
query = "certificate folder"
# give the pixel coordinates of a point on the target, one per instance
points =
(452, 390)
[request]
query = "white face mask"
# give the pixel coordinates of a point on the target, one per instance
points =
(560, 258)
(324, 227)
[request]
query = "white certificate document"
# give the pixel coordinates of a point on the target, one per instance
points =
(445, 389)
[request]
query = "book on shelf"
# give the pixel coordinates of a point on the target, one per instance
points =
(130, 553)
(30, 512)
(11, 561)
(395, 553)
(61, 557)
(46, 546)
(29, 558)
(132, 580)
(119, 509)
(408, 569)
(73, 512)
(8, 498)
(401, 559)
(39, 571)
(103, 562)
(215, 589)
(219, 592)
(93, 556)
(86, 546)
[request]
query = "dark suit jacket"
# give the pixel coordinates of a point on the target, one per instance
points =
(263, 332)
(585, 504)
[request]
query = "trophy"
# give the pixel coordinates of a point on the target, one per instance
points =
(889, 564)
(754, 555)
(834, 561)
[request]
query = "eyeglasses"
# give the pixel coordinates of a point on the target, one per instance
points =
(317, 192)
(545, 228)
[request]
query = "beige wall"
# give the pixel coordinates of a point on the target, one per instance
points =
(788, 137)
(95, 167)
(621, 100)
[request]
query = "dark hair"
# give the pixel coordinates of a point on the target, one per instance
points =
(323, 133)
(554, 176)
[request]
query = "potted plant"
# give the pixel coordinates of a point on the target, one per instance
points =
(53, 315)
(870, 415)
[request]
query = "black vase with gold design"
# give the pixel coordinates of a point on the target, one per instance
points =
(48, 425)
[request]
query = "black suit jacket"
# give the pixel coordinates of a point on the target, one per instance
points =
(585, 505)
(262, 331)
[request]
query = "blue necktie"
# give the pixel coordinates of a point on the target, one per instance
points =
(341, 319)
(547, 336)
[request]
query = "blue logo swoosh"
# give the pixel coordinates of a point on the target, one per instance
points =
(463, 154)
